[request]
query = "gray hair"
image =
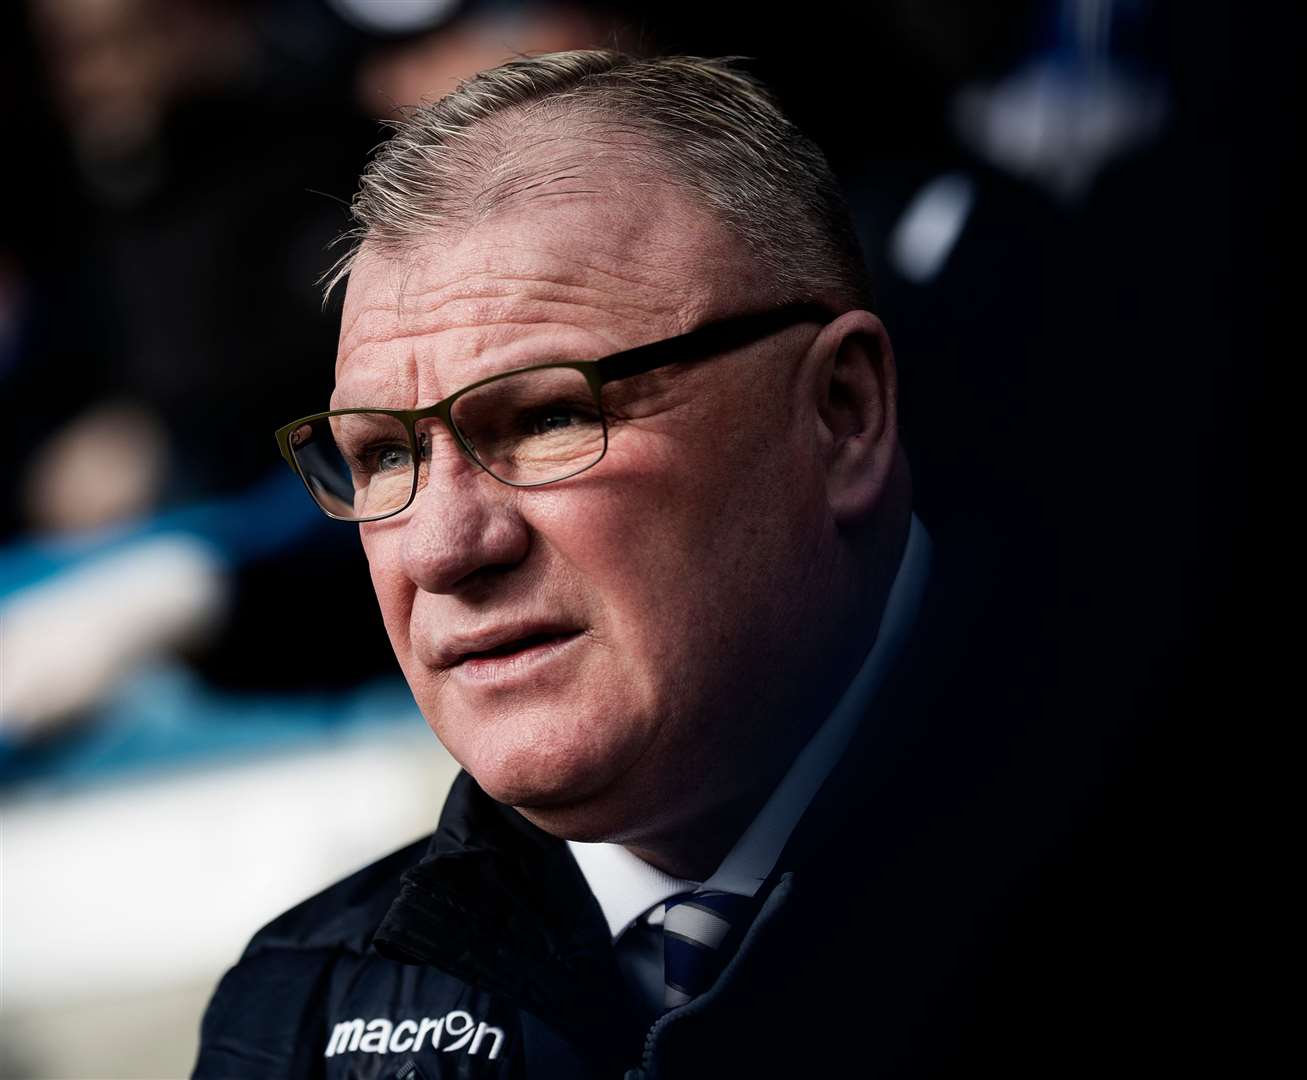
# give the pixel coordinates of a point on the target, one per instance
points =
(703, 123)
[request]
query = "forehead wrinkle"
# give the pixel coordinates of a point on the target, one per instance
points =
(502, 278)
(500, 304)
(471, 308)
(672, 239)
(466, 333)
(540, 333)
(573, 299)
(618, 278)
(367, 318)
(354, 335)
(383, 386)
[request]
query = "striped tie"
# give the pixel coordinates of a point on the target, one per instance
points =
(700, 932)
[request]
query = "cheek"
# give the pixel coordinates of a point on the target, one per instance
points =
(394, 589)
(659, 545)
(728, 539)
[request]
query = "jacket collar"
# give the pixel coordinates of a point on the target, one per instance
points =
(501, 905)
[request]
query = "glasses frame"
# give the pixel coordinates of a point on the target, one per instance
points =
(705, 342)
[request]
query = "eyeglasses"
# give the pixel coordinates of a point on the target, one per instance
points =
(527, 427)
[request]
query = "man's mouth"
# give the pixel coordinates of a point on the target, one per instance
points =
(517, 646)
(491, 647)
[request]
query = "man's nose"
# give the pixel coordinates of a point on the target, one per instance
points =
(463, 523)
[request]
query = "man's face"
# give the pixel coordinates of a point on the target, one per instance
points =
(616, 652)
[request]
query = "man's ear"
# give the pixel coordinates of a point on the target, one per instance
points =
(855, 390)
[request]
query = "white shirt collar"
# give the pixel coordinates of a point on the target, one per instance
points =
(626, 886)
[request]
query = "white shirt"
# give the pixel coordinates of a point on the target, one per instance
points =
(630, 891)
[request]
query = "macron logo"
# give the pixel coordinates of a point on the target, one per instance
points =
(457, 1029)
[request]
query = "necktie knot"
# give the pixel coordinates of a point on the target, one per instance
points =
(700, 933)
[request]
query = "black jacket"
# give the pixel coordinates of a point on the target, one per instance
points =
(962, 895)
(520, 944)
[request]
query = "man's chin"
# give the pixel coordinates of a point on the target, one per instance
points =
(567, 774)
(580, 822)
(582, 809)
(543, 793)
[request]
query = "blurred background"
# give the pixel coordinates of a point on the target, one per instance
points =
(1067, 208)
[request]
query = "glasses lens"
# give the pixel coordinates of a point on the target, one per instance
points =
(533, 427)
(358, 466)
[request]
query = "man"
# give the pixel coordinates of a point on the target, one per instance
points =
(721, 811)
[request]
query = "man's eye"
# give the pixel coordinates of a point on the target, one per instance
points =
(551, 421)
(379, 459)
(556, 418)
(393, 457)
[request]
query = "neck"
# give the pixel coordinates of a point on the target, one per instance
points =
(695, 850)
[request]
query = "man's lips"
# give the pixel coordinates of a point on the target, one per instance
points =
(502, 641)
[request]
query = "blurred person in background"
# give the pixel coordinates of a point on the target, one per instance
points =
(154, 335)
(748, 784)
(210, 145)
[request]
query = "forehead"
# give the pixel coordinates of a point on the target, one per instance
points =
(570, 274)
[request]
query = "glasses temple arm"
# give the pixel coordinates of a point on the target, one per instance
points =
(717, 337)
